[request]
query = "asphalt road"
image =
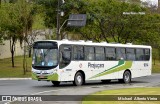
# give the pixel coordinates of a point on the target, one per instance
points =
(31, 87)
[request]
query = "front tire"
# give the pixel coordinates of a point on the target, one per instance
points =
(56, 83)
(78, 79)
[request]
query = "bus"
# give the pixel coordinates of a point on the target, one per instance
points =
(80, 61)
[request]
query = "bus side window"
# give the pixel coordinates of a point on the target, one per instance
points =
(121, 54)
(89, 53)
(147, 54)
(99, 53)
(65, 55)
(139, 54)
(130, 52)
(78, 53)
(110, 53)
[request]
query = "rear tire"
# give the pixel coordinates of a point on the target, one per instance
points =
(78, 79)
(126, 77)
(56, 83)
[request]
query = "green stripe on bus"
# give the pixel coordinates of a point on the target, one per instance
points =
(121, 62)
(53, 77)
(121, 66)
(34, 76)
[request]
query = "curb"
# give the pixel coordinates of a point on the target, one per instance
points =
(15, 78)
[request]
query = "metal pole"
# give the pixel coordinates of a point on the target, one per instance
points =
(62, 26)
(58, 20)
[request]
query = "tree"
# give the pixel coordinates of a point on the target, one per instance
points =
(69, 7)
(109, 23)
(49, 8)
(10, 25)
(1, 30)
(26, 11)
(1, 35)
(17, 22)
(106, 20)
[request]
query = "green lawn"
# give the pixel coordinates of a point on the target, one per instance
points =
(129, 91)
(6, 69)
(156, 67)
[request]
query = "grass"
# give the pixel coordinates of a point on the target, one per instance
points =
(156, 67)
(6, 69)
(128, 91)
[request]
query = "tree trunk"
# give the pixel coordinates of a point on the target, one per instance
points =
(24, 59)
(0, 2)
(29, 52)
(12, 58)
(12, 49)
(154, 60)
(159, 53)
(24, 55)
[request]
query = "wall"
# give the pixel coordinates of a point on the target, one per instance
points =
(5, 48)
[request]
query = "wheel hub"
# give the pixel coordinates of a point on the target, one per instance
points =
(127, 77)
(79, 79)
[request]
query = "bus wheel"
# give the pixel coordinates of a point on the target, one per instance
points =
(106, 81)
(78, 79)
(127, 77)
(56, 83)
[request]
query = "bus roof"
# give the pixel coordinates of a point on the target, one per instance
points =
(90, 43)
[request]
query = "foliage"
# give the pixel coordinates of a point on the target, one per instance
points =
(49, 10)
(11, 25)
(1, 35)
(16, 22)
(27, 12)
(108, 22)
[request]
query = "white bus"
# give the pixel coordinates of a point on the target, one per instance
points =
(80, 61)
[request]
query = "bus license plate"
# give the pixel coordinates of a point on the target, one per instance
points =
(41, 76)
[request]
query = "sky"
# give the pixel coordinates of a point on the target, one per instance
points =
(152, 1)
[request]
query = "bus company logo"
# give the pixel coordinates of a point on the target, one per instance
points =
(80, 65)
(6, 98)
(90, 65)
(41, 72)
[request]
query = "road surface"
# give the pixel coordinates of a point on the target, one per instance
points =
(31, 87)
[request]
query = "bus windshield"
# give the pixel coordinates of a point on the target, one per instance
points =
(45, 57)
